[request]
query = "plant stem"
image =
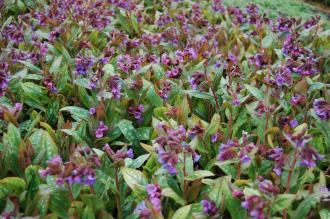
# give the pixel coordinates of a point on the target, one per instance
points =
(288, 183)
(120, 211)
(185, 185)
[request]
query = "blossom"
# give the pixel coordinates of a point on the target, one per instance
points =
(154, 193)
(294, 123)
(115, 86)
(311, 22)
(266, 186)
(143, 211)
(92, 111)
(174, 73)
(101, 130)
(4, 77)
(83, 64)
(322, 109)
(136, 111)
(196, 79)
(209, 207)
(298, 99)
(128, 63)
(166, 87)
(308, 157)
(255, 205)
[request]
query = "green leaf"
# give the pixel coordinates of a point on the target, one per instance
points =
(267, 41)
(88, 213)
(138, 162)
(131, 135)
(283, 201)
(213, 126)
(59, 203)
(199, 94)
(183, 213)
(134, 179)
(93, 201)
(30, 66)
(255, 92)
(44, 146)
(168, 192)
(77, 113)
(199, 174)
(11, 186)
(324, 214)
(309, 202)
(56, 65)
(82, 82)
(12, 141)
(144, 133)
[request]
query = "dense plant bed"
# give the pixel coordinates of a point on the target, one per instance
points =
(325, 2)
(162, 109)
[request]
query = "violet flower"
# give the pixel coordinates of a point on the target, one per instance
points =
(4, 77)
(322, 109)
(101, 130)
(209, 207)
(136, 111)
(255, 206)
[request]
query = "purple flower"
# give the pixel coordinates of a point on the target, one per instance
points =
(101, 130)
(196, 79)
(92, 111)
(284, 24)
(298, 99)
(143, 211)
(308, 157)
(165, 59)
(266, 186)
(217, 6)
(322, 109)
(191, 53)
(255, 205)
(323, 189)
(136, 111)
(239, 16)
(89, 180)
(166, 87)
(4, 77)
(128, 63)
(278, 156)
(294, 123)
(312, 22)
(13, 32)
(83, 64)
(115, 86)
(43, 173)
(257, 60)
(209, 207)
(196, 130)
(228, 151)
(215, 138)
(174, 73)
(130, 153)
(154, 193)
(306, 67)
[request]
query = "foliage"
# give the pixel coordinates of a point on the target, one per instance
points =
(163, 109)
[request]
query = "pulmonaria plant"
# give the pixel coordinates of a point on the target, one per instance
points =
(70, 172)
(171, 145)
(164, 109)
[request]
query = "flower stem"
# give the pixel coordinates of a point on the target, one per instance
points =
(288, 183)
(185, 185)
(120, 211)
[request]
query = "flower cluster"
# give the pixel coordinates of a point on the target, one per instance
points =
(171, 145)
(69, 172)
